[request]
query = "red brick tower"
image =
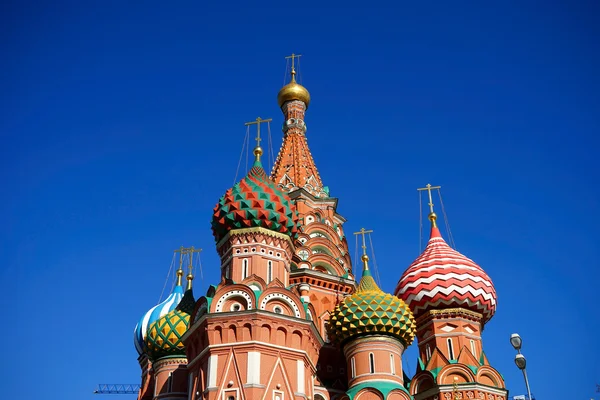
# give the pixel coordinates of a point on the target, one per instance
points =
(321, 264)
(252, 336)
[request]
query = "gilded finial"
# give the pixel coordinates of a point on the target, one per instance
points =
(180, 269)
(432, 216)
(293, 72)
(189, 251)
(364, 258)
(258, 151)
(179, 276)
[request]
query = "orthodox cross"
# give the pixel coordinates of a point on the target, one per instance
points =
(293, 56)
(189, 251)
(429, 188)
(363, 232)
(258, 121)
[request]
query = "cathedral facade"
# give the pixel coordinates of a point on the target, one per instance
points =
(292, 319)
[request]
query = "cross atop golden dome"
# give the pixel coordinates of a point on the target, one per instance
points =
(293, 90)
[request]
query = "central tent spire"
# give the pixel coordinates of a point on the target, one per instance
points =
(294, 167)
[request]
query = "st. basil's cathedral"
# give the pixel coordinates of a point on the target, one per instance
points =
(292, 319)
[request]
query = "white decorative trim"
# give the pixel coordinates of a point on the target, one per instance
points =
(300, 376)
(250, 342)
(212, 372)
(219, 306)
(283, 297)
(448, 328)
(253, 373)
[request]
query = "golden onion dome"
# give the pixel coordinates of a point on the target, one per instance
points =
(293, 91)
(370, 311)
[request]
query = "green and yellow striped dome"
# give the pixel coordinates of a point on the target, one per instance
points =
(371, 311)
(164, 335)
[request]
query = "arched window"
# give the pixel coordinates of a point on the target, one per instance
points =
(392, 365)
(244, 268)
(371, 363)
(450, 350)
(269, 271)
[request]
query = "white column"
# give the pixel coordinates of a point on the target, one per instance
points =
(300, 365)
(212, 370)
(253, 375)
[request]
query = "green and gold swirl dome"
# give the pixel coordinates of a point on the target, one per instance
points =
(164, 335)
(370, 311)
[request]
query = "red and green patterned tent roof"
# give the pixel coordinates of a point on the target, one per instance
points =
(255, 201)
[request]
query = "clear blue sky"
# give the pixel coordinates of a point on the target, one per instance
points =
(122, 125)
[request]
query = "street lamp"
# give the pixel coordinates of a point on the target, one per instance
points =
(516, 341)
(520, 360)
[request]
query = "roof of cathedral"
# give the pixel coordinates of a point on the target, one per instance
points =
(441, 278)
(156, 312)
(371, 311)
(255, 201)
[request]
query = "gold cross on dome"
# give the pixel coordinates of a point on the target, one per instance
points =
(363, 232)
(258, 121)
(429, 188)
(293, 57)
(189, 251)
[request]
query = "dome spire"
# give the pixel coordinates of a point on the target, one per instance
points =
(293, 90)
(367, 283)
(190, 275)
(364, 258)
(180, 269)
(258, 151)
(293, 72)
(432, 216)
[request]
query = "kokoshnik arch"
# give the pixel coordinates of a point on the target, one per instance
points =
(288, 319)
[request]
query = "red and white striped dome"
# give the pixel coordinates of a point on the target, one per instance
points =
(441, 278)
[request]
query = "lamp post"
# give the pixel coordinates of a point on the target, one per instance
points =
(520, 360)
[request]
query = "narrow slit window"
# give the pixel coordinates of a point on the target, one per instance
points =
(269, 271)
(353, 366)
(372, 363)
(392, 364)
(450, 350)
(473, 347)
(244, 268)
(428, 352)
